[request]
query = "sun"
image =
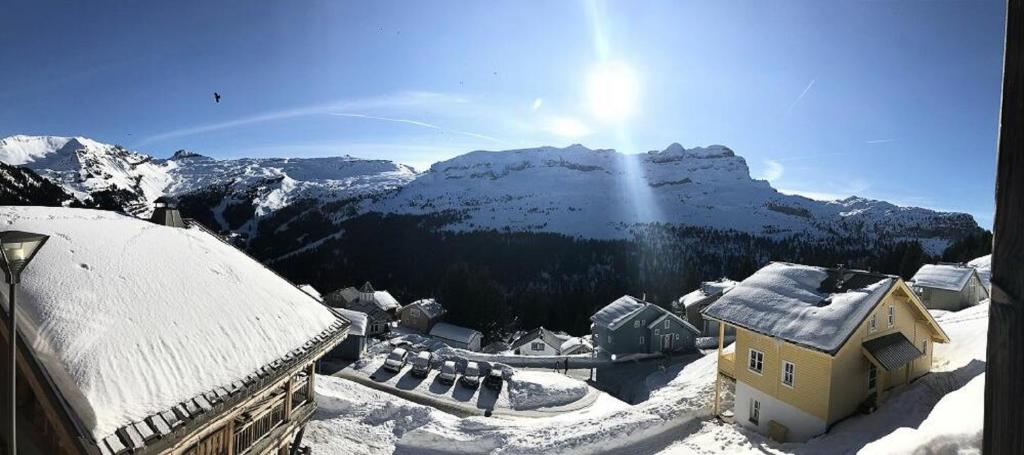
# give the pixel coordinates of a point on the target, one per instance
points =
(612, 91)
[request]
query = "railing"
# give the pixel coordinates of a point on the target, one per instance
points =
(249, 431)
(727, 364)
(300, 390)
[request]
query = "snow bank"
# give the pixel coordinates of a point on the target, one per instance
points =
(537, 389)
(131, 318)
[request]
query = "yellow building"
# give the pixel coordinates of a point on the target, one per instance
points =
(815, 345)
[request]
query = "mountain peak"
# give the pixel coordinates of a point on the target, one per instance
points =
(187, 154)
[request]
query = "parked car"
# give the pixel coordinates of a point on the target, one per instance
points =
(396, 360)
(447, 374)
(494, 379)
(421, 364)
(471, 376)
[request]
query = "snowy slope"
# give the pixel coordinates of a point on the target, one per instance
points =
(603, 193)
(573, 190)
(85, 167)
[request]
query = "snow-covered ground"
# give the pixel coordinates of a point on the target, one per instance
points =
(939, 413)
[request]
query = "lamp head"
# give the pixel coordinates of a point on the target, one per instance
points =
(17, 249)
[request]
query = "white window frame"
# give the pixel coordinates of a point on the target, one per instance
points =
(755, 412)
(667, 322)
(642, 341)
(535, 344)
(636, 324)
(892, 316)
(873, 324)
(792, 373)
(760, 361)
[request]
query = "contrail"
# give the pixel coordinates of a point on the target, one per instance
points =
(879, 141)
(414, 122)
(797, 100)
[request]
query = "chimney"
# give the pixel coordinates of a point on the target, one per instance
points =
(165, 212)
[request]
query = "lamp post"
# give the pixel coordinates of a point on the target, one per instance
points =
(16, 250)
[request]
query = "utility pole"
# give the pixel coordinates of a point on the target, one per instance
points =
(1004, 378)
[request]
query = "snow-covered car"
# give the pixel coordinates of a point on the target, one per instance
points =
(447, 374)
(471, 376)
(396, 360)
(494, 379)
(421, 364)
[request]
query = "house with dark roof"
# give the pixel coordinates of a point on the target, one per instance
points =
(948, 286)
(380, 307)
(632, 326)
(143, 338)
(421, 315)
(815, 345)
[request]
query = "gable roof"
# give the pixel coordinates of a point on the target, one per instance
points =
(614, 314)
(431, 307)
(811, 306)
(309, 289)
(669, 315)
(454, 332)
(706, 289)
(553, 339)
(357, 319)
(951, 277)
(352, 298)
(131, 319)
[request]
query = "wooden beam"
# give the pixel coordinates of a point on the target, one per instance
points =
(1004, 378)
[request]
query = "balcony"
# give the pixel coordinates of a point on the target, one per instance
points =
(727, 364)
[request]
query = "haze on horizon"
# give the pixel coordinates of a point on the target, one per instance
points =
(885, 99)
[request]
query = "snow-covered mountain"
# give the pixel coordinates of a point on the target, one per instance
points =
(576, 191)
(88, 169)
(603, 194)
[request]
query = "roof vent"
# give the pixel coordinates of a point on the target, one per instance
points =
(165, 212)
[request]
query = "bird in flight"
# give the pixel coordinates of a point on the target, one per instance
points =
(216, 97)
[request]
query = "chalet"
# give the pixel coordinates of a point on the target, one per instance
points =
(143, 338)
(456, 336)
(948, 286)
(354, 345)
(815, 345)
(689, 306)
(421, 315)
(632, 326)
(380, 308)
(539, 342)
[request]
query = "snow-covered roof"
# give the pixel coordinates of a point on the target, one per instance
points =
(553, 339)
(454, 333)
(357, 319)
(984, 267)
(618, 312)
(951, 277)
(706, 289)
(811, 306)
(309, 289)
(575, 344)
(130, 318)
(431, 307)
(385, 300)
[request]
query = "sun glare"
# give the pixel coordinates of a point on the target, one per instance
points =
(612, 91)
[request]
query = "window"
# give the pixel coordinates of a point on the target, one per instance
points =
(892, 316)
(788, 373)
(756, 361)
(636, 324)
(666, 323)
(872, 378)
(537, 346)
(873, 323)
(657, 331)
(924, 347)
(755, 411)
(609, 338)
(641, 341)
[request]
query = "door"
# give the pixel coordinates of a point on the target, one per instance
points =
(666, 342)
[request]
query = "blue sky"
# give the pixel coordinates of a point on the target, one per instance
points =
(891, 100)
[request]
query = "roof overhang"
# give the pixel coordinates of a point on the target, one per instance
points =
(891, 351)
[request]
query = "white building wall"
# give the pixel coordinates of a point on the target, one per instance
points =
(802, 426)
(527, 349)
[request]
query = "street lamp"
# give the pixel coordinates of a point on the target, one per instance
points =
(16, 250)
